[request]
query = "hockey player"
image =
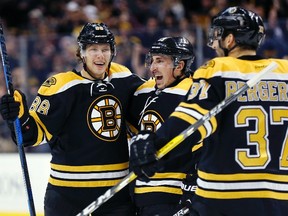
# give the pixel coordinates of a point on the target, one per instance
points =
(243, 168)
(81, 115)
(169, 61)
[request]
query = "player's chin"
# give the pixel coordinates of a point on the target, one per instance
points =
(160, 85)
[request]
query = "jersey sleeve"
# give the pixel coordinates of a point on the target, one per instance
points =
(205, 93)
(51, 107)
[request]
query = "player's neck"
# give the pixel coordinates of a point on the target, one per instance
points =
(236, 53)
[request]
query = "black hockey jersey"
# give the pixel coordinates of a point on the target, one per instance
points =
(83, 122)
(150, 108)
(244, 165)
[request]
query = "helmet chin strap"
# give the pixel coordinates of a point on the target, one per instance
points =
(225, 50)
(177, 78)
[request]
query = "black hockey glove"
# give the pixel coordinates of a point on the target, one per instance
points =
(9, 108)
(188, 186)
(15, 106)
(143, 161)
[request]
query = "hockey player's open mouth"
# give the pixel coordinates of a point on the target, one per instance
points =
(99, 64)
(158, 77)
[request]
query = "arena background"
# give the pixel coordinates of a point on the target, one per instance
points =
(41, 41)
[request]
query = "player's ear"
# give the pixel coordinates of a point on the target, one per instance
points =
(181, 65)
(230, 40)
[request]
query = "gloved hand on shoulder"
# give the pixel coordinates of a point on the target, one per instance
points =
(13, 106)
(143, 160)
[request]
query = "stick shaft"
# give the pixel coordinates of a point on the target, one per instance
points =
(180, 138)
(16, 123)
(182, 211)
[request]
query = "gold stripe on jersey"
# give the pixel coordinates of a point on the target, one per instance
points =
(87, 176)
(196, 147)
(118, 71)
(191, 113)
(169, 175)
(190, 120)
(242, 176)
(146, 87)
(161, 189)
(89, 168)
(242, 185)
(40, 127)
(63, 183)
(212, 121)
(61, 82)
(243, 194)
(169, 182)
(179, 89)
(221, 66)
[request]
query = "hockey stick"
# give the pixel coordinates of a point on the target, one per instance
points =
(16, 123)
(179, 138)
(182, 211)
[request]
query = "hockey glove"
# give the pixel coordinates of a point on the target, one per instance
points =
(188, 186)
(9, 108)
(143, 161)
(15, 106)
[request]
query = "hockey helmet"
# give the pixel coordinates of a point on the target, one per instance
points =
(93, 33)
(179, 48)
(246, 26)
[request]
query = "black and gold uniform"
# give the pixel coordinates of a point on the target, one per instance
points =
(243, 169)
(82, 116)
(83, 122)
(244, 159)
(151, 106)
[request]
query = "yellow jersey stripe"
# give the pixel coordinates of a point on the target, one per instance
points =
(63, 183)
(242, 194)
(162, 189)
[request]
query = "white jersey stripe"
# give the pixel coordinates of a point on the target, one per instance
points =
(227, 186)
(196, 115)
(83, 176)
(153, 182)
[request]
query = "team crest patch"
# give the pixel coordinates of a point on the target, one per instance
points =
(49, 82)
(104, 118)
(208, 64)
(151, 121)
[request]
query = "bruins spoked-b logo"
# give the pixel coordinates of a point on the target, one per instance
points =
(104, 117)
(151, 121)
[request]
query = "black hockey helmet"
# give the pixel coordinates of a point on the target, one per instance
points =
(246, 26)
(179, 48)
(93, 33)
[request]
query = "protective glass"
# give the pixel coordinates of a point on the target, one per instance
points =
(159, 62)
(214, 33)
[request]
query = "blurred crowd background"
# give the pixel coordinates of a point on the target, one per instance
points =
(41, 35)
